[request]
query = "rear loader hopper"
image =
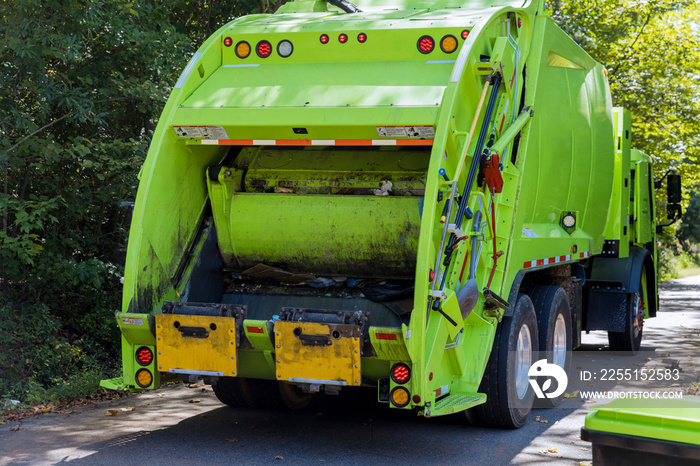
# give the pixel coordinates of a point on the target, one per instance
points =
(408, 196)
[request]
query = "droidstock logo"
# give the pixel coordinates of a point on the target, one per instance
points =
(544, 372)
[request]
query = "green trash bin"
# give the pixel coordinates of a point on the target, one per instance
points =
(645, 431)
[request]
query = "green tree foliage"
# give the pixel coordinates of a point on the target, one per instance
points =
(652, 52)
(82, 84)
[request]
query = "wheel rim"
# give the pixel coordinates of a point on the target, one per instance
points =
(523, 361)
(559, 344)
(638, 317)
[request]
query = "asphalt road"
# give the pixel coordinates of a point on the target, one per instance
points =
(181, 425)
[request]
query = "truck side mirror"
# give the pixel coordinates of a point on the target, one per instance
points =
(673, 189)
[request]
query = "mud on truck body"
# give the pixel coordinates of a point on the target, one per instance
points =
(410, 196)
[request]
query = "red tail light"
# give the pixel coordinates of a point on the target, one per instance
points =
(362, 37)
(343, 38)
(465, 34)
(144, 356)
(324, 38)
(228, 42)
(400, 373)
(426, 44)
(263, 49)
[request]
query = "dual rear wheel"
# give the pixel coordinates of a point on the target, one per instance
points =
(540, 324)
(255, 393)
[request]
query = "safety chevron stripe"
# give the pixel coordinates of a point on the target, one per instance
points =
(318, 142)
(556, 259)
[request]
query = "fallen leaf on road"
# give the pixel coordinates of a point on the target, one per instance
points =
(543, 421)
(584, 448)
(585, 463)
(232, 440)
(112, 412)
(127, 409)
(15, 428)
(46, 410)
(279, 457)
(478, 439)
(573, 394)
(196, 400)
(1, 423)
(204, 390)
(552, 450)
(195, 385)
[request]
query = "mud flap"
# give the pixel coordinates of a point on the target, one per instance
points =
(197, 344)
(318, 353)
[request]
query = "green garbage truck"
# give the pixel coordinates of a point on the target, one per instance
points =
(416, 197)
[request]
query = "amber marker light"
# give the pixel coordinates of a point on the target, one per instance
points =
(144, 378)
(242, 49)
(400, 397)
(448, 44)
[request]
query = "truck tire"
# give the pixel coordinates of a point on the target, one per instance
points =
(554, 329)
(631, 339)
(255, 393)
(509, 396)
(228, 390)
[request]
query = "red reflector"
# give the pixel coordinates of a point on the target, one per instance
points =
(144, 356)
(432, 275)
(343, 38)
(416, 399)
(263, 49)
(386, 336)
(228, 42)
(400, 373)
(520, 22)
(255, 330)
(361, 37)
(465, 34)
(324, 38)
(426, 44)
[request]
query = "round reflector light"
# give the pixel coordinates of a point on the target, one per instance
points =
(431, 276)
(426, 44)
(324, 38)
(362, 37)
(520, 22)
(400, 373)
(285, 48)
(144, 378)
(465, 34)
(228, 42)
(343, 38)
(242, 49)
(400, 397)
(144, 356)
(448, 44)
(263, 49)
(569, 221)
